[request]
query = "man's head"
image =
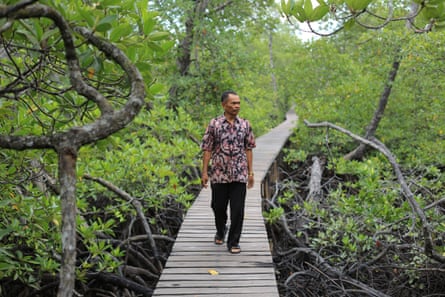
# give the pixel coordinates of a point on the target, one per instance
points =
(231, 103)
(226, 94)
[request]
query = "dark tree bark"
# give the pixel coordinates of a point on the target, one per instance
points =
(67, 178)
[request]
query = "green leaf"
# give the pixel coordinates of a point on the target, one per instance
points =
(120, 31)
(434, 11)
(149, 24)
(38, 29)
(106, 23)
(357, 5)
(108, 3)
(156, 36)
(155, 47)
(285, 8)
(4, 232)
(85, 15)
(308, 10)
(349, 24)
(298, 12)
(156, 88)
(318, 13)
(47, 34)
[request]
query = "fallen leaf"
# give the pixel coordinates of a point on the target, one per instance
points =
(213, 272)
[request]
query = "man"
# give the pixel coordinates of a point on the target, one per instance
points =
(228, 142)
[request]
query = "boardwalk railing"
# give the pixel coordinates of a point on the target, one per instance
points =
(198, 267)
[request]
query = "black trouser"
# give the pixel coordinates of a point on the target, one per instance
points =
(223, 194)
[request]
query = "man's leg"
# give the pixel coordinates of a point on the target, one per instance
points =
(220, 200)
(237, 194)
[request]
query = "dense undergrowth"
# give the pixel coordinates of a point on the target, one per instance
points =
(360, 237)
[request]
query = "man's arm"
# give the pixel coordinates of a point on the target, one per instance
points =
(250, 178)
(205, 165)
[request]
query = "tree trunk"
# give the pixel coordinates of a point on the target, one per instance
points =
(358, 153)
(67, 179)
(184, 59)
(272, 65)
(315, 192)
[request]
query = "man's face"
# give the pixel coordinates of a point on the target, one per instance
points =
(232, 105)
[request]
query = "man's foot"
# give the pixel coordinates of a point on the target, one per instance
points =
(235, 249)
(218, 240)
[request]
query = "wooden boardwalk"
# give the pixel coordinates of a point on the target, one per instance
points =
(198, 267)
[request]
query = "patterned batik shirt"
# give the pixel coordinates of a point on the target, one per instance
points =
(228, 144)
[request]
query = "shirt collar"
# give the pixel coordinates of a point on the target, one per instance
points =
(225, 119)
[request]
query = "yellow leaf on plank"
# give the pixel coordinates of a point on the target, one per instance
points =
(213, 272)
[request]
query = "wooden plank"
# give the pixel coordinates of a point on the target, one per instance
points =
(171, 277)
(220, 283)
(217, 295)
(221, 270)
(254, 290)
(216, 253)
(210, 261)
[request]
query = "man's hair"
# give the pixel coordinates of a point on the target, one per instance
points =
(226, 94)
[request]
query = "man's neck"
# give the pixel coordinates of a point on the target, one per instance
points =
(229, 118)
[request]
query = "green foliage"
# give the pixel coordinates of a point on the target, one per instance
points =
(418, 135)
(150, 160)
(30, 213)
(365, 211)
(363, 214)
(357, 5)
(303, 10)
(347, 89)
(229, 52)
(374, 14)
(154, 160)
(102, 255)
(29, 232)
(273, 215)
(434, 11)
(130, 25)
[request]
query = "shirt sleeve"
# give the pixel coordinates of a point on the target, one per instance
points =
(250, 138)
(208, 138)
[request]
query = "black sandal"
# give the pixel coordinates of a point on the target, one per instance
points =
(218, 240)
(235, 249)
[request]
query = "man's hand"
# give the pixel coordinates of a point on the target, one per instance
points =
(250, 181)
(204, 180)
